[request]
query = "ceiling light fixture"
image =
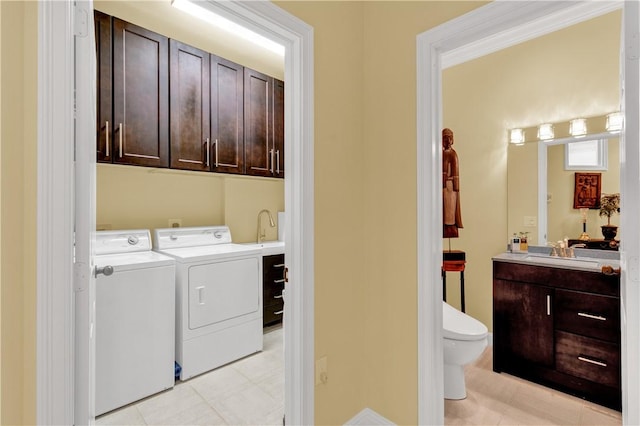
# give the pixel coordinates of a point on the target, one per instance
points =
(227, 25)
(545, 131)
(516, 136)
(578, 127)
(614, 122)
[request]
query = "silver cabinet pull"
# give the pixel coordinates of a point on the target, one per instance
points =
(595, 317)
(271, 154)
(105, 270)
(548, 304)
(120, 130)
(106, 138)
(278, 313)
(215, 163)
(279, 265)
(278, 281)
(592, 361)
(207, 162)
(278, 161)
(277, 297)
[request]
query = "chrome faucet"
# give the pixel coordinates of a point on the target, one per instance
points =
(261, 232)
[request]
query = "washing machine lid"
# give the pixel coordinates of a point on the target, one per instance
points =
(457, 325)
(171, 238)
(129, 261)
(213, 252)
(122, 241)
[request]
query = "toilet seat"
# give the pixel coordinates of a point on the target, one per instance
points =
(457, 325)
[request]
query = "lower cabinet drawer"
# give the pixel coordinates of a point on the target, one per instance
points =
(590, 315)
(272, 313)
(587, 358)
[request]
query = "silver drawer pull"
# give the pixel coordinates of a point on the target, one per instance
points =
(278, 313)
(277, 297)
(592, 361)
(548, 304)
(279, 265)
(278, 281)
(595, 317)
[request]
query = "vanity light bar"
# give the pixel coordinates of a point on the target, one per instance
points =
(595, 127)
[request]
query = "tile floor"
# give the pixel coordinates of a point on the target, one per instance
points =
(249, 391)
(501, 399)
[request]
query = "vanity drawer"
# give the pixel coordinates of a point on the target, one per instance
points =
(588, 314)
(587, 358)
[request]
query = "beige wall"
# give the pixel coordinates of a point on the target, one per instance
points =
(568, 74)
(18, 156)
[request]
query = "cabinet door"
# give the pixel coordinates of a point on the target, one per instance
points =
(189, 109)
(104, 69)
(258, 118)
(523, 324)
(140, 96)
(278, 127)
(227, 120)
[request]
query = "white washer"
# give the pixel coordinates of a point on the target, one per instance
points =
(135, 319)
(218, 296)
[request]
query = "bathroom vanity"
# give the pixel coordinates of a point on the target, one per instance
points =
(557, 322)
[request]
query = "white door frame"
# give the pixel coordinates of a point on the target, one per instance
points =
(55, 203)
(485, 30)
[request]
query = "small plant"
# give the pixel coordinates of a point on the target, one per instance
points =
(609, 204)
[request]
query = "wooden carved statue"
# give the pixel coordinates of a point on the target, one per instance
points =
(451, 216)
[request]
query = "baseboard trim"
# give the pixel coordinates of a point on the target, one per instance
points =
(368, 417)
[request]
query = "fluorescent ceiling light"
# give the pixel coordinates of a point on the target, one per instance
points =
(578, 127)
(227, 25)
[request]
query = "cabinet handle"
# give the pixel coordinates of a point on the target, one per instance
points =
(106, 139)
(278, 313)
(592, 361)
(208, 152)
(595, 317)
(120, 131)
(278, 281)
(279, 265)
(277, 161)
(271, 153)
(200, 295)
(277, 297)
(548, 304)
(215, 162)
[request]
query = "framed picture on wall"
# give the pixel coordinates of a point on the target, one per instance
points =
(587, 190)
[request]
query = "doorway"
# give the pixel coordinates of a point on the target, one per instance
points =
(55, 344)
(486, 30)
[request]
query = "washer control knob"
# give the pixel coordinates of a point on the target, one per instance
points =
(132, 240)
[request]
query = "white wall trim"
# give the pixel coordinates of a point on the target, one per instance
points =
(54, 335)
(368, 417)
(487, 29)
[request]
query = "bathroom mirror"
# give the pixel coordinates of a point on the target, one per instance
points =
(541, 190)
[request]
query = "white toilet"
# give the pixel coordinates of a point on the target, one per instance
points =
(464, 341)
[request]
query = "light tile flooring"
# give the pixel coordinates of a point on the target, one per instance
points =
(249, 391)
(502, 399)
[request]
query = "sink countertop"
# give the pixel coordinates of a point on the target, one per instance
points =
(269, 247)
(580, 263)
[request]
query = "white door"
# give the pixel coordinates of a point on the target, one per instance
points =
(85, 213)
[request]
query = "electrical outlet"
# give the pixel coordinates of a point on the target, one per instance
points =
(530, 221)
(322, 376)
(175, 223)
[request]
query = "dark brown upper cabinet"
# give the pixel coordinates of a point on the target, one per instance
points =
(278, 127)
(189, 107)
(259, 124)
(104, 113)
(227, 116)
(140, 96)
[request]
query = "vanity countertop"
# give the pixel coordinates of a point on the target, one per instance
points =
(579, 263)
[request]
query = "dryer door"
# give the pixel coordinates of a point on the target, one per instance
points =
(223, 291)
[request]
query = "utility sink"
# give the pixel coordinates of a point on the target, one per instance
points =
(270, 247)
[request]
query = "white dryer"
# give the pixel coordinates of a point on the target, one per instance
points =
(135, 319)
(218, 296)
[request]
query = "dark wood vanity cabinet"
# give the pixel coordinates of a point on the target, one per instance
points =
(132, 90)
(559, 327)
(272, 288)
